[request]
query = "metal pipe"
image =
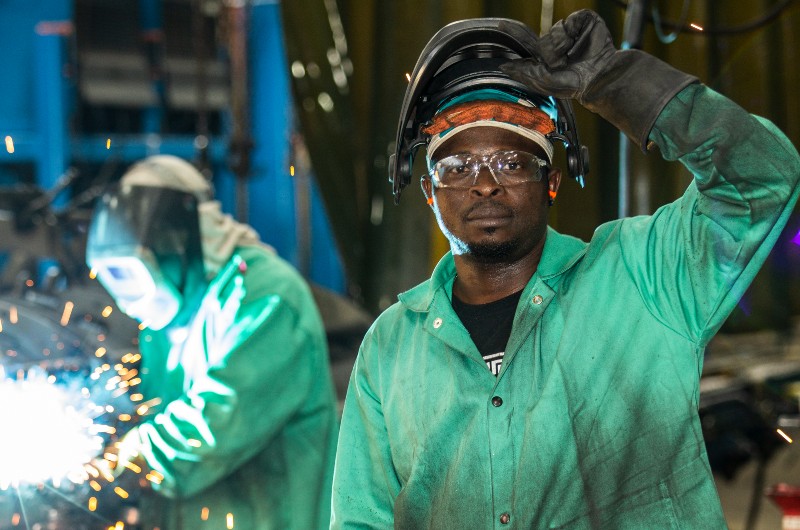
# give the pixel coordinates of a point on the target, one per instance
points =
(241, 142)
(632, 39)
(201, 71)
(153, 39)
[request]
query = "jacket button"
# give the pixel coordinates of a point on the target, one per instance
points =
(505, 518)
(497, 401)
(537, 299)
(437, 323)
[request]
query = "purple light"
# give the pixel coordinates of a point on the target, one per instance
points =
(744, 305)
(796, 239)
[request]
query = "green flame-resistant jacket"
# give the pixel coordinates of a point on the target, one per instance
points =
(248, 418)
(592, 422)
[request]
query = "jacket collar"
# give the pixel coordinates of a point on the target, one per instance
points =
(560, 253)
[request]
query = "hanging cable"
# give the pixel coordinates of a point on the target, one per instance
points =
(656, 17)
(752, 25)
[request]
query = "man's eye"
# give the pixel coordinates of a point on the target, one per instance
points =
(511, 166)
(455, 169)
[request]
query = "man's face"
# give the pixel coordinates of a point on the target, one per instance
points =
(489, 222)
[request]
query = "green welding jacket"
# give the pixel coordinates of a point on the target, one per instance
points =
(592, 422)
(248, 421)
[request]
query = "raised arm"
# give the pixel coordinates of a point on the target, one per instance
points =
(693, 259)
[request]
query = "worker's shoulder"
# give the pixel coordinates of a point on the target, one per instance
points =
(261, 260)
(262, 273)
(392, 326)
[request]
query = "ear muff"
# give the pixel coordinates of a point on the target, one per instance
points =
(577, 154)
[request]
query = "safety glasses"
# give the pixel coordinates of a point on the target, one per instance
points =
(508, 168)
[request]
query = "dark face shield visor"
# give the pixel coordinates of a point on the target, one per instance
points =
(161, 219)
(142, 243)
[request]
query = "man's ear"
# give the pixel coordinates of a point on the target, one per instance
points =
(554, 180)
(427, 189)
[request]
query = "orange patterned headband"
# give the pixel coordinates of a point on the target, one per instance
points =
(525, 120)
(484, 110)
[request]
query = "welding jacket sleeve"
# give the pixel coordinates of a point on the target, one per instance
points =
(249, 385)
(694, 258)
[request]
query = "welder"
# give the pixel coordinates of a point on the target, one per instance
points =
(242, 433)
(536, 380)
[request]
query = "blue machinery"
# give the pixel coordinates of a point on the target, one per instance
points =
(52, 80)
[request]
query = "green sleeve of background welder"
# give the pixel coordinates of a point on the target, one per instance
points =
(252, 376)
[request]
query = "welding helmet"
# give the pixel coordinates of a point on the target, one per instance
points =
(144, 245)
(465, 56)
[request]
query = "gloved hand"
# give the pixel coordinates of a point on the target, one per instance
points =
(577, 59)
(568, 57)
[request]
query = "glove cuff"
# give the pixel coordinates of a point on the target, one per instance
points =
(632, 90)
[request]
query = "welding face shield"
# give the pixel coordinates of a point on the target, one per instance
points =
(463, 57)
(144, 246)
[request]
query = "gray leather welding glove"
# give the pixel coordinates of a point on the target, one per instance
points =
(577, 59)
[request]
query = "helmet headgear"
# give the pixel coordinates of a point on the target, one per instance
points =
(465, 56)
(144, 239)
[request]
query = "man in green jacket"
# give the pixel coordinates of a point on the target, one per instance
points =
(537, 381)
(243, 420)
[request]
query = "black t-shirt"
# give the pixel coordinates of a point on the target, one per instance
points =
(489, 325)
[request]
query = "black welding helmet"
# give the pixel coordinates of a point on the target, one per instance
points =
(144, 246)
(465, 56)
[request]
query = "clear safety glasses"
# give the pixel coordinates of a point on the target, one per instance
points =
(507, 168)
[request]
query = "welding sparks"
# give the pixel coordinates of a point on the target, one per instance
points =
(785, 436)
(133, 467)
(131, 357)
(9, 145)
(408, 77)
(144, 408)
(56, 417)
(108, 143)
(121, 492)
(67, 313)
(291, 171)
(33, 414)
(229, 520)
(154, 477)
(698, 27)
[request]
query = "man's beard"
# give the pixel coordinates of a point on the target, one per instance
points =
(494, 252)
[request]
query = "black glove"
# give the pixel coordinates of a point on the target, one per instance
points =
(577, 59)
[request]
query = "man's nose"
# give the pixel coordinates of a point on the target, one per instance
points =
(485, 183)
